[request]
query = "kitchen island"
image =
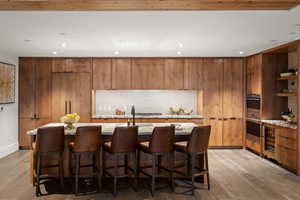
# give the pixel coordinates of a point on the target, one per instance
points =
(182, 131)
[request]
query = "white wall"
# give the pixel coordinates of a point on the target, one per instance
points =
(9, 117)
(145, 101)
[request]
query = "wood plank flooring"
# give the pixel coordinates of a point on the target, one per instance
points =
(235, 175)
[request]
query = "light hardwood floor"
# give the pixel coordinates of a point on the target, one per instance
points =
(235, 175)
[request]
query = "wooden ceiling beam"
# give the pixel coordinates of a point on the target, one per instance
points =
(127, 5)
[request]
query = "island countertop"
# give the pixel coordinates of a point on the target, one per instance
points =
(108, 128)
(163, 116)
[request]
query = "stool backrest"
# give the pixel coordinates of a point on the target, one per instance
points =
(88, 139)
(199, 139)
(50, 139)
(163, 139)
(124, 139)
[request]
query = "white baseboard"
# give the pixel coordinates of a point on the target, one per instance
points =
(4, 151)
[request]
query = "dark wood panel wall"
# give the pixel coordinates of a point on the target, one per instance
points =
(52, 87)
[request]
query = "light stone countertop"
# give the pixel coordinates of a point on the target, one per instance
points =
(281, 123)
(148, 116)
(108, 128)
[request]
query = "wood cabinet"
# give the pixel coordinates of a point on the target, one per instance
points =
(71, 94)
(102, 74)
(223, 86)
(34, 95)
(174, 74)
(72, 65)
(147, 73)
(121, 73)
(254, 74)
(193, 68)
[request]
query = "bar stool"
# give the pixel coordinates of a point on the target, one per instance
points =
(196, 145)
(124, 142)
(88, 141)
(161, 144)
(49, 140)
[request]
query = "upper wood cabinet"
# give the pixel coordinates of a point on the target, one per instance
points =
(121, 73)
(174, 74)
(254, 74)
(72, 65)
(102, 74)
(193, 73)
(147, 73)
(233, 88)
(212, 87)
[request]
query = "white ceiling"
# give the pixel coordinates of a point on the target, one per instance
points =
(153, 34)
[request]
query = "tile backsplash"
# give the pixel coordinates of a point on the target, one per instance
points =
(144, 101)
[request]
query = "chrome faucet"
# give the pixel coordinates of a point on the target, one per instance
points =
(133, 115)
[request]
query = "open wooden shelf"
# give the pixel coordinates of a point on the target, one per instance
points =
(293, 77)
(290, 94)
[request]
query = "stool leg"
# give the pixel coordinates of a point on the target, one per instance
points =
(206, 166)
(125, 163)
(38, 171)
(77, 158)
(172, 170)
(61, 170)
(100, 170)
(154, 162)
(133, 155)
(116, 156)
(193, 160)
(137, 155)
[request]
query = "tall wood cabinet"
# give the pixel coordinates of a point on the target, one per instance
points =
(34, 95)
(223, 86)
(254, 74)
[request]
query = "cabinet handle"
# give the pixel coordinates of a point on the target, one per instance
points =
(232, 118)
(66, 107)
(212, 118)
(70, 107)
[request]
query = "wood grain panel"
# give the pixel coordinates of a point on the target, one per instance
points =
(216, 134)
(72, 65)
(233, 132)
(174, 74)
(121, 73)
(233, 88)
(254, 74)
(25, 124)
(59, 65)
(147, 73)
(102, 74)
(192, 73)
(212, 87)
(145, 5)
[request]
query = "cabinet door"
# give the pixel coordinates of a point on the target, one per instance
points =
(233, 87)
(60, 94)
(174, 74)
(43, 93)
(254, 69)
(212, 87)
(79, 65)
(216, 136)
(147, 73)
(192, 73)
(25, 124)
(121, 73)
(233, 132)
(102, 74)
(27, 89)
(59, 65)
(81, 96)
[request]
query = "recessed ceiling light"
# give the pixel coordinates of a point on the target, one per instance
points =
(63, 44)
(117, 52)
(54, 52)
(179, 52)
(180, 44)
(241, 52)
(27, 40)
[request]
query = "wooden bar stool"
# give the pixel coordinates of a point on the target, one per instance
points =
(162, 143)
(88, 141)
(49, 140)
(123, 144)
(196, 145)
